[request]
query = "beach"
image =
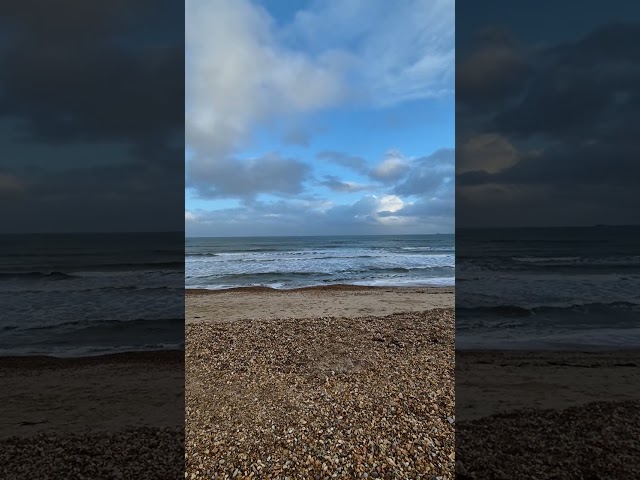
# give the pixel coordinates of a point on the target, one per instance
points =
(334, 301)
(547, 414)
(111, 416)
(341, 382)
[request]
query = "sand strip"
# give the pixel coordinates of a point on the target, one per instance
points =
(91, 394)
(330, 301)
(490, 382)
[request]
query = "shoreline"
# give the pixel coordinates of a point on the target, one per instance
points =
(262, 303)
(314, 288)
(535, 351)
(52, 361)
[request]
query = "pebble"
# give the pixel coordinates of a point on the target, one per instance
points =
(321, 398)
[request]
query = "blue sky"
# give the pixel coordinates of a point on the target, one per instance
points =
(327, 117)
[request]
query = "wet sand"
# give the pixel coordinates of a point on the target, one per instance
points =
(91, 394)
(105, 417)
(491, 382)
(531, 415)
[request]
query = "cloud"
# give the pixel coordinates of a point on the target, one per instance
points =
(494, 69)
(441, 208)
(61, 57)
(355, 163)
(334, 183)
(430, 176)
(581, 88)
(297, 136)
(229, 177)
(245, 73)
(397, 51)
(238, 75)
(91, 116)
(10, 186)
(393, 167)
(371, 214)
(488, 152)
(563, 145)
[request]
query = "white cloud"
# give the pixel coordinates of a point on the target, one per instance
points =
(393, 167)
(370, 214)
(398, 51)
(242, 73)
(237, 75)
(390, 203)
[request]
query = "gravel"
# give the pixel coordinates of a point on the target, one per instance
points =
(596, 441)
(317, 398)
(138, 453)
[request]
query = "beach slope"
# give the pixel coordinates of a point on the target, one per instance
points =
(306, 384)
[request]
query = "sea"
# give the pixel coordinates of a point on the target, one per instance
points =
(548, 288)
(73, 295)
(305, 261)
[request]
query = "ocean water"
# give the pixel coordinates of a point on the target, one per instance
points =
(560, 288)
(291, 262)
(76, 295)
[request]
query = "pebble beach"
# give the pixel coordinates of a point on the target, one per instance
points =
(320, 397)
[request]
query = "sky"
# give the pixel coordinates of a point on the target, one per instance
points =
(319, 117)
(548, 97)
(91, 116)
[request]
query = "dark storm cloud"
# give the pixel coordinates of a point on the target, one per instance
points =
(79, 71)
(568, 131)
(92, 110)
(565, 166)
(493, 70)
(230, 178)
(591, 87)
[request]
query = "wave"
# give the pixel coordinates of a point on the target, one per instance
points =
(604, 261)
(65, 351)
(98, 324)
(523, 311)
(394, 282)
(303, 274)
(429, 249)
(57, 275)
(27, 275)
(104, 289)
